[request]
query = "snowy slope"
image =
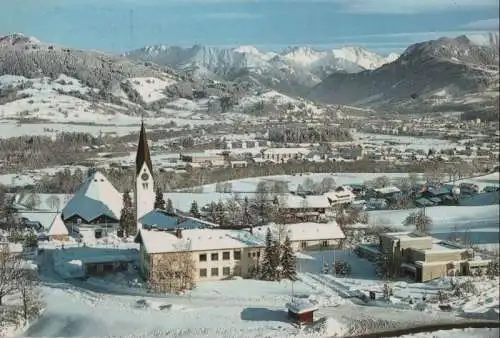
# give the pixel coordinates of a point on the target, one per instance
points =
(150, 88)
(462, 71)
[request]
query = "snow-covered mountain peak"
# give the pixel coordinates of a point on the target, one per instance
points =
(303, 55)
(18, 39)
(247, 50)
(360, 56)
(391, 57)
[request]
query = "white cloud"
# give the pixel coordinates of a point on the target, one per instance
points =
(400, 37)
(412, 6)
(486, 24)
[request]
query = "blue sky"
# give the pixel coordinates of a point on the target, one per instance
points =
(379, 25)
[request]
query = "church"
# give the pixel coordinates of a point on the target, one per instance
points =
(95, 208)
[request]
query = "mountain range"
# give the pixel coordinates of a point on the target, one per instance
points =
(446, 73)
(293, 70)
(459, 74)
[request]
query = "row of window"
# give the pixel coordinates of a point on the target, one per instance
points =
(226, 255)
(214, 272)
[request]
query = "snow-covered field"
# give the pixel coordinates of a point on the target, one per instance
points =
(405, 142)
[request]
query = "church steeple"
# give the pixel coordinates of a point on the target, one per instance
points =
(144, 183)
(143, 155)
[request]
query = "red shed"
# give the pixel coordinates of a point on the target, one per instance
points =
(301, 311)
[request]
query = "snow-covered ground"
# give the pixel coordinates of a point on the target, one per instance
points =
(117, 305)
(150, 88)
(405, 142)
(457, 333)
(363, 279)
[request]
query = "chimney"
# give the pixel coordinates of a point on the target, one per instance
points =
(178, 233)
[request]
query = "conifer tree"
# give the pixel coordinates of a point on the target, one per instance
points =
(194, 211)
(288, 261)
(246, 216)
(275, 260)
(268, 268)
(169, 208)
(159, 200)
(220, 212)
(127, 218)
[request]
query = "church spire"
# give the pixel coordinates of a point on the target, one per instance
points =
(143, 155)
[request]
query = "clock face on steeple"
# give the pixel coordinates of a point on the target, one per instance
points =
(145, 176)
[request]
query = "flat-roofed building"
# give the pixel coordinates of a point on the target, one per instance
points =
(427, 258)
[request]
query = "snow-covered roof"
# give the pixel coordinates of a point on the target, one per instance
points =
(387, 190)
(303, 231)
(58, 228)
(95, 197)
(156, 241)
(290, 201)
(298, 306)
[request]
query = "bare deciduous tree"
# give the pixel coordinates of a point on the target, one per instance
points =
(172, 272)
(10, 272)
(420, 220)
(381, 182)
(326, 184)
(30, 297)
(53, 202)
(32, 200)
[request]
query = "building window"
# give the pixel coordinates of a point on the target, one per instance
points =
(258, 254)
(237, 255)
(203, 272)
(203, 257)
(214, 272)
(214, 257)
(303, 245)
(226, 255)
(226, 271)
(324, 243)
(144, 185)
(237, 271)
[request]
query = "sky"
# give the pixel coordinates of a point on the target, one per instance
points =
(119, 25)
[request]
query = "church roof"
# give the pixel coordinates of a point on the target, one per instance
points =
(58, 227)
(95, 197)
(143, 155)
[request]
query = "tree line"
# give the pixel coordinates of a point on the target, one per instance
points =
(66, 181)
(304, 134)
